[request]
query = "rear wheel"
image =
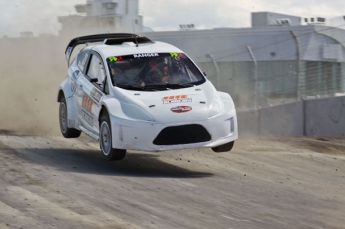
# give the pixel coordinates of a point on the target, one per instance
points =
(105, 138)
(63, 118)
(224, 148)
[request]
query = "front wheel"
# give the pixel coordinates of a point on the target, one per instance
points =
(223, 148)
(105, 138)
(63, 118)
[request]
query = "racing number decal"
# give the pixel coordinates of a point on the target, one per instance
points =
(87, 103)
(86, 109)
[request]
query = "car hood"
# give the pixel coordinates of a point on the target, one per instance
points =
(178, 105)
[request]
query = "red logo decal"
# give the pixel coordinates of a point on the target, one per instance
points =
(181, 109)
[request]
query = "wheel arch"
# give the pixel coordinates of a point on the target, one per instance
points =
(104, 110)
(65, 90)
(61, 94)
(71, 108)
(115, 153)
(227, 100)
(113, 108)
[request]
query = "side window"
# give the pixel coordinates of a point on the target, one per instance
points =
(96, 70)
(82, 59)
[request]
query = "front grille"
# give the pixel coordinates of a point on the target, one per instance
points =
(185, 134)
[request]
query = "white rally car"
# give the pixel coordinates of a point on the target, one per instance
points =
(131, 93)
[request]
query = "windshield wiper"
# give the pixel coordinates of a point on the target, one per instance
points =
(156, 87)
(142, 88)
(149, 87)
(181, 85)
(171, 86)
(130, 87)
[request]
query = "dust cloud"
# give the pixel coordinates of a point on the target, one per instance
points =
(31, 70)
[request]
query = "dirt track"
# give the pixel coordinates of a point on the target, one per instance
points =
(263, 183)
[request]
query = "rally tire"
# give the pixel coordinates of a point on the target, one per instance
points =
(63, 120)
(105, 139)
(224, 148)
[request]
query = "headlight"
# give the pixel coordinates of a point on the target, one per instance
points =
(216, 107)
(136, 112)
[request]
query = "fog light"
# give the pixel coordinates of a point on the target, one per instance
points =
(232, 126)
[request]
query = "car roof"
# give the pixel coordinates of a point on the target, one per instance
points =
(129, 48)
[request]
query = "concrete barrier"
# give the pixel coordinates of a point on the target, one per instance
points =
(318, 117)
(325, 117)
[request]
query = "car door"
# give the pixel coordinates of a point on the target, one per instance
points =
(90, 92)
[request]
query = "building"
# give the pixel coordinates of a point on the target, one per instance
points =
(99, 16)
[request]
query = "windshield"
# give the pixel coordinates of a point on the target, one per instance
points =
(154, 71)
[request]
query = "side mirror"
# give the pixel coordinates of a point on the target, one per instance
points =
(93, 80)
(205, 74)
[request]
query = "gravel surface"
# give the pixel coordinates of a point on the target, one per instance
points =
(267, 182)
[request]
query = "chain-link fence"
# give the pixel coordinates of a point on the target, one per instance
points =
(278, 82)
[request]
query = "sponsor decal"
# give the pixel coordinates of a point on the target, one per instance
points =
(86, 109)
(115, 58)
(145, 55)
(82, 63)
(95, 94)
(175, 54)
(176, 99)
(85, 58)
(181, 109)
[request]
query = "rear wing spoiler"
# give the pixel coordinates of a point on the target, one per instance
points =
(94, 38)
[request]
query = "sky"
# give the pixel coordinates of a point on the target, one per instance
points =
(40, 16)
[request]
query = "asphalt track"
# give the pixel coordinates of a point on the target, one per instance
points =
(271, 182)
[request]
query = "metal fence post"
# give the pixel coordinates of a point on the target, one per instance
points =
(255, 77)
(298, 92)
